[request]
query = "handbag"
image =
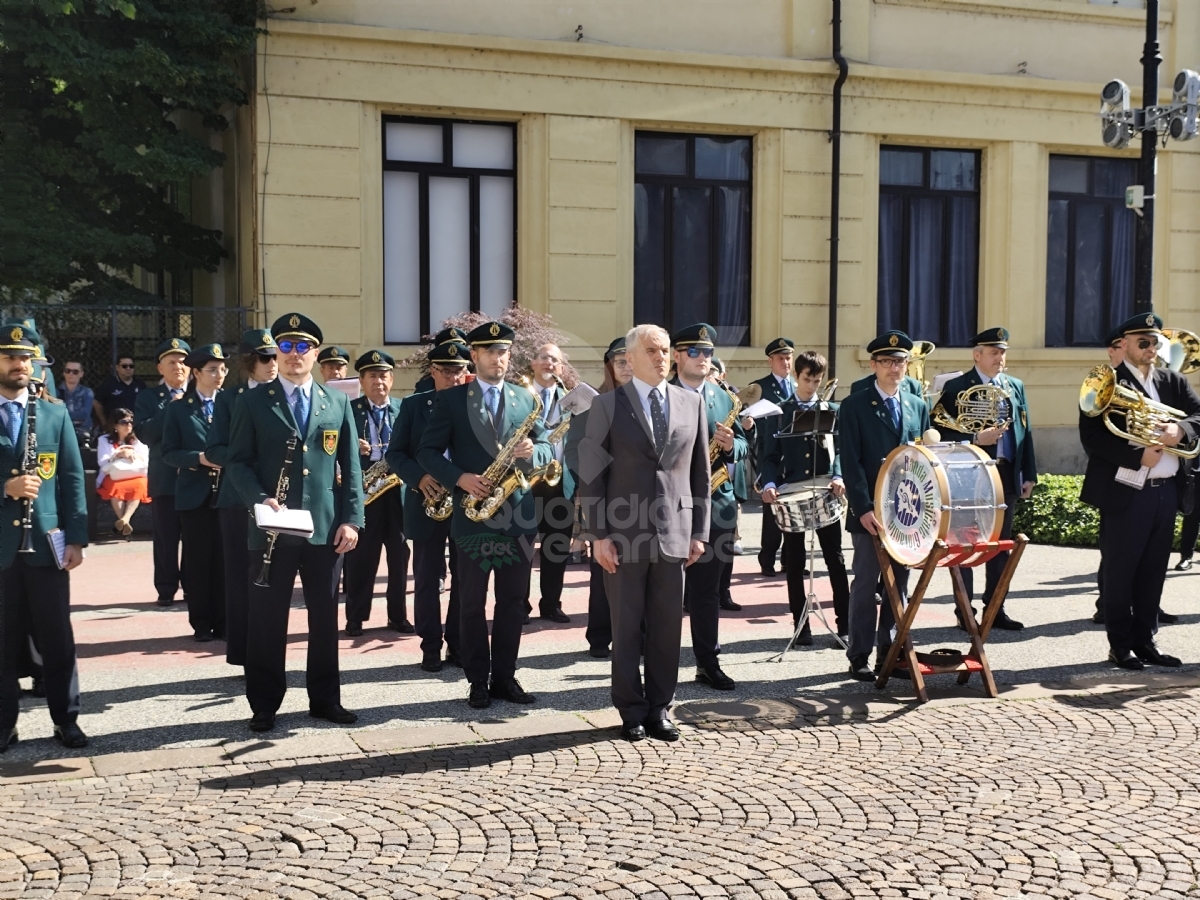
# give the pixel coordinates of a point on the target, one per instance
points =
(124, 469)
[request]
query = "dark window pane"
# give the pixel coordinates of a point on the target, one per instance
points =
(1121, 260)
(925, 268)
(660, 156)
(733, 263)
(1068, 175)
(891, 262)
(902, 167)
(649, 253)
(690, 255)
(1111, 176)
(1091, 248)
(1056, 273)
(963, 274)
(952, 170)
(725, 159)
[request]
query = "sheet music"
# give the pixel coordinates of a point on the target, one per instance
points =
(761, 410)
(1134, 478)
(351, 387)
(58, 546)
(296, 522)
(578, 399)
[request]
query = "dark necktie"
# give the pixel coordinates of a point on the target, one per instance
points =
(658, 421)
(207, 407)
(382, 428)
(497, 409)
(893, 406)
(12, 421)
(300, 410)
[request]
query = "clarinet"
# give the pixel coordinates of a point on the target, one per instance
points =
(281, 490)
(30, 468)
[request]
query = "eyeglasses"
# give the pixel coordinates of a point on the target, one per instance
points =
(300, 347)
(890, 362)
(449, 371)
(706, 352)
(124, 365)
(124, 421)
(72, 371)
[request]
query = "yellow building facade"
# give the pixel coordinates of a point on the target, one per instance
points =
(1015, 80)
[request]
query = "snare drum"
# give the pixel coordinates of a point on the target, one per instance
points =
(807, 506)
(931, 492)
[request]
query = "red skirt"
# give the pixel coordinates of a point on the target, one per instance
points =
(129, 489)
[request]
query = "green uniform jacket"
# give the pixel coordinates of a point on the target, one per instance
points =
(461, 423)
(791, 459)
(717, 407)
(149, 416)
(407, 431)
(1024, 466)
(184, 437)
(60, 501)
(358, 407)
(216, 447)
(262, 424)
(865, 436)
(909, 384)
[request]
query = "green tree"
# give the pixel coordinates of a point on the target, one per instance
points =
(107, 105)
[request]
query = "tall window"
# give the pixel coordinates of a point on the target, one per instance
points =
(929, 243)
(449, 222)
(1089, 249)
(691, 231)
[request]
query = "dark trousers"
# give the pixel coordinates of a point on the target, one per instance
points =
(511, 587)
(555, 526)
(871, 619)
(235, 529)
(1136, 547)
(384, 528)
(649, 591)
(266, 636)
(429, 567)
(1191, 530)
(203, 568)
(167, 534)
(702, 593)
(994, 567)
(772, 538)
(599, 627)
(37, 600)
(795, 556)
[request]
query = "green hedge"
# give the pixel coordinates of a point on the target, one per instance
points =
(1055, 515)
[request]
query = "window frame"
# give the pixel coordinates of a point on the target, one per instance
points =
(690, 180)
(906, 193)
(424, 170)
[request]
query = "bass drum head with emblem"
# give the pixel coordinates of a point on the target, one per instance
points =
(948, 492)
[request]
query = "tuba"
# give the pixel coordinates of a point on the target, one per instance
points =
(1145, 419)
(979, 408)
(377, 481)
(503, 474)
(1182, 351)
(921, 351)
(720, 475)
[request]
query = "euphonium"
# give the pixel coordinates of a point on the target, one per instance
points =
(979, 408)
(720, 475)
(1145, 419)
(1183, 351)
(503, 474)
(921, 351)
(377, 481)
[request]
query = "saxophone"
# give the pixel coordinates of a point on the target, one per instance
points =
(503, 473)
(551, 472)
(721, 474)
(440, 507)
(378, 479)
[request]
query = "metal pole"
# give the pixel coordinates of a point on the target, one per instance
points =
(1143, 285)
(835, 193)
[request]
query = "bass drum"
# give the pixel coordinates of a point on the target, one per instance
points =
(807, 506)
(931, 492)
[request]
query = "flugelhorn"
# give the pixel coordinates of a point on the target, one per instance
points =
(1145, 419)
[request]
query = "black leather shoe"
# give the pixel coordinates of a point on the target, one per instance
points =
(203, 636)
(1125, 659)
(39, 687)
(338, 715)
(432, 662)
(10, 737)
(555, 615)
(262, 721)
(354, 629)
(896, 672)
(403, 626)
(860, 671)
(714, 678)
(728, 603)
(598, 652)
(633, 733)
(525, 621)
(804, 638)
(1183, 565)
(1098, 617)
(1151, 654)
(662, 730)
(1166, 618)
(480, 698)
(1005, 622)
(959, 619)
(511, 691)
(452, 658)
(70, 736)
(165, 601)
(218, 634)
(767, 573)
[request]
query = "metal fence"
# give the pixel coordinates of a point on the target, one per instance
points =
(98, 335)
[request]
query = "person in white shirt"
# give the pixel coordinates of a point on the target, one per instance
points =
(122, 461)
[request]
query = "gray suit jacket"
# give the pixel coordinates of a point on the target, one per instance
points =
(643, 501)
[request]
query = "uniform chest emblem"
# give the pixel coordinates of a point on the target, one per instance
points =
(329, 441)
(47, 465)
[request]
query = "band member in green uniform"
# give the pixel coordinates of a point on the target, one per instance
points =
(447, 369)
(258, 366)
(334, 363)
(450, 335)
(43, 499)
(185, 437)
(777, 387)
(288, 442)
(149, 415)
(375, 415)
(477, 422)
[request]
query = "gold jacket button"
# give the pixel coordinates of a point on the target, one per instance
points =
(16, 471)
(306, 471)
(305, 448)
(16, 522)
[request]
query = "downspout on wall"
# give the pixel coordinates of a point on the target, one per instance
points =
(835, 195)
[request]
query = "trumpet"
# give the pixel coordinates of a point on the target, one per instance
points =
(1145, 419)
(979, 408)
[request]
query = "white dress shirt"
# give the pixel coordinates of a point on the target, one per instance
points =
(643, 391)
(1169, 464)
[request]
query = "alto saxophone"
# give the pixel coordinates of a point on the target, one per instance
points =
(378, 479)
(503, 474)
(441, 506)
(721, 474)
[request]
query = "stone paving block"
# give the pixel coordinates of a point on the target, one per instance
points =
(158, 760)
(531, 726)
(331, 743)
(45, 770)
(1137, 681)
(603, 718)
(385, 739)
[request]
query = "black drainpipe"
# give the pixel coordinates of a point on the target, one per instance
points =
(835, 195)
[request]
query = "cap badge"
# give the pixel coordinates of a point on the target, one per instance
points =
(1150, 320)
(1003, 334)
(174, 343)
(294, 321)
(375, 356)
(268, 341)
(17, 334)
(494, 330)
(453, 351)
(703, 333)
(893, 341)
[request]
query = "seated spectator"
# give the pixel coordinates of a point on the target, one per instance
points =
(123, 461)
(79, 400)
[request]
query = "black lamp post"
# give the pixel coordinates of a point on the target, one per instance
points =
(1143, 277)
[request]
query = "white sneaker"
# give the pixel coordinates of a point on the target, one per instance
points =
(737, 548)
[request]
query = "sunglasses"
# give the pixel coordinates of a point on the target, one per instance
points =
(264, 357)
(300, 347)
(72, 371)
(124, 421)
(706, 352)
(124, 365)
(1146, 344)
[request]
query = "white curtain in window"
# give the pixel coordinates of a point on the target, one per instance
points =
(449, 249)
(483, 146)
(495, 244)
(412, 142)
(401, 258)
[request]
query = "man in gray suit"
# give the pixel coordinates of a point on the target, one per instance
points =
(645, 500)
